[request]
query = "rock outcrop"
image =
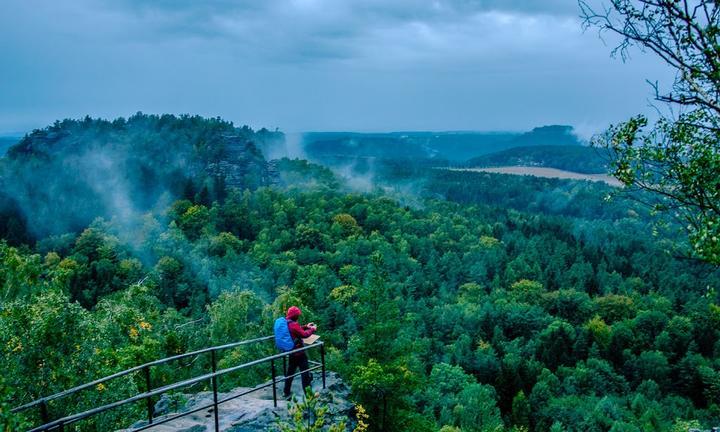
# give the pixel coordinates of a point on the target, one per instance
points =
(253, 412)
(241, 164)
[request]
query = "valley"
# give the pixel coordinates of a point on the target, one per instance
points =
(540, 300)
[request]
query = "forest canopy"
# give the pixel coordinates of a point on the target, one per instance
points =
(491, 302)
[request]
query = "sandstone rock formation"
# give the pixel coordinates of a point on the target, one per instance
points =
(249, 413)
(241, 164)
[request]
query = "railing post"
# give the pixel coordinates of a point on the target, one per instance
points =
(322, 360)
(146, 370)
(44, 412)
(213, 360)
(215, 403)
(272, 372)
(215, 391)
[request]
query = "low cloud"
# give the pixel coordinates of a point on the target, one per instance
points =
(315, 64)
(310, 30)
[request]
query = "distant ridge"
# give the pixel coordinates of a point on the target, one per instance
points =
(449, 145)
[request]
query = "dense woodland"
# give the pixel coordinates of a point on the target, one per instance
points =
(575, 158)
(482, 303)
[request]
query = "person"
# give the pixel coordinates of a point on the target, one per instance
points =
(298, 360)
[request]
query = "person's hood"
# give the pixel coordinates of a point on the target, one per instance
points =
(293, 313)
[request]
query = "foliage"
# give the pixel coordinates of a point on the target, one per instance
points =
(301, 174)
(534, 194)
(9, 422)
(678, 158)
(309, 415)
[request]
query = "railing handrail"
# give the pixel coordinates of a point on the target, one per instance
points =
(76, 389)
(148, 394)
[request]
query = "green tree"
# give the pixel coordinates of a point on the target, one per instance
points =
(381, 389)
(613, 307)
(601, 332)
(41, 341)
(378, 315)
(309, 415)
(9, 422)
(520, 415)
(555, 345)
(237, 316)
(19, 273)
(571, 305)
(194, 221)
(678, 159)
(477, 410)
(442, 390)
(527, 291)
(653, 365)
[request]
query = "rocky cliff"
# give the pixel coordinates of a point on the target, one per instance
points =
(241, 164)
(248, 413)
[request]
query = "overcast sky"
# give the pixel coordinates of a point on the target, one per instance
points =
(299, 65)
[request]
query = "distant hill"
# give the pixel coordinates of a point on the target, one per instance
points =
(555, 135)
(6, 143)
(453, 146)
(60, 178)
(575, 158)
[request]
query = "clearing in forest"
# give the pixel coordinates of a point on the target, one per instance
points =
(544, 172)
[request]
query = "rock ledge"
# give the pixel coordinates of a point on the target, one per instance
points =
(248, 413)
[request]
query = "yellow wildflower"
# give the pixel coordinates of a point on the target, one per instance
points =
(145, 325)
(100, 387)
(133, 333)
(362, 417)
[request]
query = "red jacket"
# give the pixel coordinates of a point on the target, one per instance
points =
(298, 333)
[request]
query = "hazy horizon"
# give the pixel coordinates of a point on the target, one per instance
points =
(316, 65)
(20, 134)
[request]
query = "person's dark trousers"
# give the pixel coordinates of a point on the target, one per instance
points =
(297, 361)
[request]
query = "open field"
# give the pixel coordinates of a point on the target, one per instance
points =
(545, 172)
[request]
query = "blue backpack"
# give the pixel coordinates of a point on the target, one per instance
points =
(283, 340)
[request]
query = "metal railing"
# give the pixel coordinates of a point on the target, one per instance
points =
(149, 393)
